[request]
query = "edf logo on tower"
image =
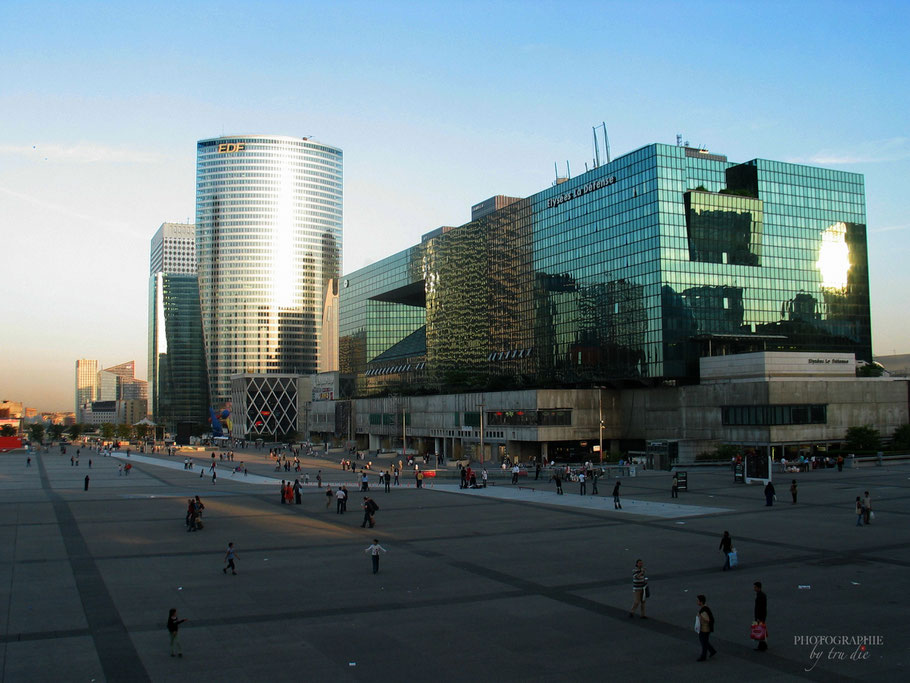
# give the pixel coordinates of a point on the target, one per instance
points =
(226, 147)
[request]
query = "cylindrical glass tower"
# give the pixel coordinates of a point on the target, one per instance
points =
(268, 241)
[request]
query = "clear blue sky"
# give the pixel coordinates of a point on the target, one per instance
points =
(436, 105)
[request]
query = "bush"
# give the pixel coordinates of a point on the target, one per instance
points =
(900, 440)
(865, 438)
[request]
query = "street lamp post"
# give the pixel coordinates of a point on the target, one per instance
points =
(481, 406)
(600, 411)
(404, 435)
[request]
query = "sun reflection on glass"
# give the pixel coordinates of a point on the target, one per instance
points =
(834, 257)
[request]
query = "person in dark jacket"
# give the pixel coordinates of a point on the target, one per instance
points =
(761, 612)
(769, 494)
(726, 544)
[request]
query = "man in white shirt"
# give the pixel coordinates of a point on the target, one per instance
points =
(374, 551)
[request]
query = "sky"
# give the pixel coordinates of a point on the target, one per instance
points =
(436, 105)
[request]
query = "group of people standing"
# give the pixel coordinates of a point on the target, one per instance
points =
(194, 510)
(290, 493)
(704, 617)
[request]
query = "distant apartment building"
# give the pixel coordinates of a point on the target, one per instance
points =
(113, 412)
(11, 409)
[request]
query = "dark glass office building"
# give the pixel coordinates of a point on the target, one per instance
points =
(176, 352)
(623, 276)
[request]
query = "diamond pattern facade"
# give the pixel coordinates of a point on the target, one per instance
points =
(265, 406)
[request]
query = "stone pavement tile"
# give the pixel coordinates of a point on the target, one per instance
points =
(37, 542)
(43, 661)
(44, 598)
(6, 587)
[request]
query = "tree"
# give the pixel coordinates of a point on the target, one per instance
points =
(7, 430)
(55, 432)
(870, 370)
(900, 440)
(142, 431)
(75, 431)
(865, 438)
(124, 431)
(35, 432)
(107, 430)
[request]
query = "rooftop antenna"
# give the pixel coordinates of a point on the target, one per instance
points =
(679, 139)
(568, 172)
(596, 149)
(555, 171)
(606, 141)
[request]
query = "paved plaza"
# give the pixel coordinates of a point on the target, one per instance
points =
(507, 584)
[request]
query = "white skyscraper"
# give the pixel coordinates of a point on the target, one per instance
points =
(268, 241)
(173, 249)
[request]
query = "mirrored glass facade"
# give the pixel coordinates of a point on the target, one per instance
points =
(177, 375)
(625, 275)
(268, 241)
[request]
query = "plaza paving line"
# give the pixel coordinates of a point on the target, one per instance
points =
(224, 472)
(631, 506)
(677, 632)
(116, 652)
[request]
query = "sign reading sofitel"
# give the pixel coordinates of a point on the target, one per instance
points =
(227, 147)
(579, 191)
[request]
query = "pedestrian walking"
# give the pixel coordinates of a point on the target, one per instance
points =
(119, 469)
(86, 482)
(639, 588)
(173, 626)
(674, 486)
(558, 479)
(374, 551)
(90, 463)
(704, 621)
(769, 494)
(344, 499)
(329, 496)
(537, 472)
(283, 492)
(860, 511)
(319, 479)
(364, 481)
(617, 503)
(289, 493)
(867, 507)
(387, 481)
(726, 544)
(214, 475)
(515, 471)
(793, 491)
(594, 477)
(582, 485)
(761, 618)
(297, 498)
(369, 509)
(28, 461)
(229, 558)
